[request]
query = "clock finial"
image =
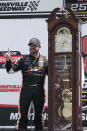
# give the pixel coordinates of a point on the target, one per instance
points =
(63, 7)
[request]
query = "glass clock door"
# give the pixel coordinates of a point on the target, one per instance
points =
(62, 81)
(63, 92)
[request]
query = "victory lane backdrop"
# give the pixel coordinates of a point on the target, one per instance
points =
(15, 35)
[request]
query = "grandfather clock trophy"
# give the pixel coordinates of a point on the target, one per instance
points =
(64, 89)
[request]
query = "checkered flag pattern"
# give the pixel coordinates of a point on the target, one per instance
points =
(33, 5)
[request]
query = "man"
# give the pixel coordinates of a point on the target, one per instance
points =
(34, 68)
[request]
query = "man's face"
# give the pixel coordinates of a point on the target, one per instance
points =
(33, 48)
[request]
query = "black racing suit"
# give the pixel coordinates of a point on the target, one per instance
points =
(34, 71)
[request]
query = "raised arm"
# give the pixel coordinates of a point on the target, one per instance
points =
(11, 68)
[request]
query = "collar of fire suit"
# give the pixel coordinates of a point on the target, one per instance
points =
(35, 57)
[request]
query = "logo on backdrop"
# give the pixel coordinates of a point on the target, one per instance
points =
(15, 116)
(84, 116)
(79, 7)
(15, 56)
(84, 52)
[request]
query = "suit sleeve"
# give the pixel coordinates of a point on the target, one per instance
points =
(13, 67)
(46, 65)
(8, 65)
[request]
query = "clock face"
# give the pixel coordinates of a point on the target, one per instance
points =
(63, 40)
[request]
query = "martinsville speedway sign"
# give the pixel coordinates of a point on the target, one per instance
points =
(40, 8)
(19, 6)
(28, 7)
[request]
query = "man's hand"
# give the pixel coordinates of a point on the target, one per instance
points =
(7, 55)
